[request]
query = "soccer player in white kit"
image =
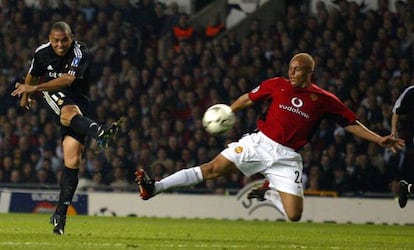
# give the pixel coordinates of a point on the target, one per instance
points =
(297, 105)
(404, 106)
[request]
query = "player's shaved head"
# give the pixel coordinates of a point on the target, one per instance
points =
(306, 60)
(61, 26)
(60, 37)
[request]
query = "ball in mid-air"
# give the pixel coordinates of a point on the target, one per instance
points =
(218, 119)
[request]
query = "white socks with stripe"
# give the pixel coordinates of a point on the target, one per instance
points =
(274, 197)
(182, 178)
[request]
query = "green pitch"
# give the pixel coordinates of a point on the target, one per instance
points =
(33, 231)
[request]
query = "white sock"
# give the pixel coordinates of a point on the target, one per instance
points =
(182, 178)
(274, 197)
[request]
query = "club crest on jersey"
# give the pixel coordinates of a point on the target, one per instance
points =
(75, 62)
(238, 149)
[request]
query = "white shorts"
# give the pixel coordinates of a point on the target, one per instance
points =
(257, 153)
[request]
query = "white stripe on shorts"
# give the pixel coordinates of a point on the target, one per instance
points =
(51, 103)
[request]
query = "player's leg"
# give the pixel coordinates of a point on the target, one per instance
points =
(405, 189)
(71, 116)
(293, 205)
(290, 205)
(186, 177)
(284, 177)
(72, 151)
(259, 192)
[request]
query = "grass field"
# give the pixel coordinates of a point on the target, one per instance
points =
(32, 231)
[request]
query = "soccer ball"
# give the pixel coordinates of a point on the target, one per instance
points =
(218, 119)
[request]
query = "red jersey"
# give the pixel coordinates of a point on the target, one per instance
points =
(294, 113)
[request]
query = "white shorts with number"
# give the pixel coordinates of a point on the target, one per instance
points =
(257, 153)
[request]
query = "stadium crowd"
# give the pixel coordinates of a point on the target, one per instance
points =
(365, 57)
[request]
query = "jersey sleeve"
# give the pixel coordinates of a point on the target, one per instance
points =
(80, 62)
(261, 92)
(340, 112)
(404, 104)
(35, 68)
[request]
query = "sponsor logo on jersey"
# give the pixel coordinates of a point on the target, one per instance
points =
(297, 103)
(50, 67)
(75, 62)
(54, 75)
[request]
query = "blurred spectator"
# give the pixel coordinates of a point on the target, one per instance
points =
(158, 171)
(340, 182)
(97, 183)
(15, 176)
(173, 13)
(314, 178)
(183, 33)
(89, 9)
(367, 177)
(235, 182)
(214, 27)
(46, 168)
(61, 8)
(164, 160)
(28, 173)
(49, 155)
(162, 20)
(119, 182)
(7, 167)
(326, 172)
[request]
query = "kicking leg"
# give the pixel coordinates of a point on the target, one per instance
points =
(185, 177)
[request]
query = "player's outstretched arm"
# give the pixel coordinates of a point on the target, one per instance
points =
(394, 124)
(242, 102)
(59, 83)
(389, 141)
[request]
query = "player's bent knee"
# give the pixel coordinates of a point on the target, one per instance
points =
(219, 166)
(67, 113)
(294, 214)
(295, 217)
(208, 171)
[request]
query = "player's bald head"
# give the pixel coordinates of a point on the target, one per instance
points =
(61, 26)
(306, 60)
(60, 38)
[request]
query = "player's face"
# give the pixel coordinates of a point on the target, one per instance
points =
(298, 74)
(60, 41)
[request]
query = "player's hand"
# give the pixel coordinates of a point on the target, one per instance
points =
(391, 142)
(26, 102)
(23, 88)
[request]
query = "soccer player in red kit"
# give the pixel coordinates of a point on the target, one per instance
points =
(297, 107)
